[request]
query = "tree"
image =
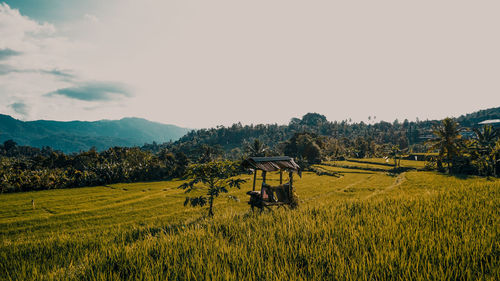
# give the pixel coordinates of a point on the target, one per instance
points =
(256, 149)
(208, 153)
(9, 144)
(182, 163)
(447, 141)
(309, 149)
(304, 147)
(313, 119)
(395, 153)
(484, 146)
(216, 176)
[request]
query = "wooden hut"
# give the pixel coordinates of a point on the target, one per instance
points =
(268, 195)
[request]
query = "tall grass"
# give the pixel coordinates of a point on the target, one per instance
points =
(429, 227)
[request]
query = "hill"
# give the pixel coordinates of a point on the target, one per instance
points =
(472, 119)
(74, 136)
(358, 135)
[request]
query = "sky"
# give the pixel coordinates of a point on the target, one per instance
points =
(198, 63)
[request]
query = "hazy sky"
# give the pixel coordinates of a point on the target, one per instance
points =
(199, 63)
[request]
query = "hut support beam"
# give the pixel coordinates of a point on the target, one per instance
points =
(254, 178)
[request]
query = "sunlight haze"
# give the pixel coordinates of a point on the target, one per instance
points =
(207, 63)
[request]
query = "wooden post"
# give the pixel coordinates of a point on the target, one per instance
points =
(264, 177)
(291, 183)
(254, 178)
(281, 177)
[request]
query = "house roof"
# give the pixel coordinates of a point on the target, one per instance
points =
(492, 121)
(270, 164)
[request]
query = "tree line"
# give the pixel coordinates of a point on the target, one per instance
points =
(26, 168)
(308, 140)
(477, 155)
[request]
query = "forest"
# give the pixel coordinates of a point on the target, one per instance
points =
(460, 147)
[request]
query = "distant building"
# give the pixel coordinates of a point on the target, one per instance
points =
(427, 137)
(493, 122)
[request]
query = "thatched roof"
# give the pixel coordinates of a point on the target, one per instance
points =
(270, 164)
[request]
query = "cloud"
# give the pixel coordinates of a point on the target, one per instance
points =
(20, 32)
(64, 74)
(91, 18)
(94, 91)
(6, 69)
(7, 53)
(35, 45)
(20, 107)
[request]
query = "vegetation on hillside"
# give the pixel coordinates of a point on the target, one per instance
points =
(363, 139)
(76, 136)
(26, 168)
(309, 141)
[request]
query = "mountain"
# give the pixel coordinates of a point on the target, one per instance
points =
(472, 119)
(74, 136)
(237, 136)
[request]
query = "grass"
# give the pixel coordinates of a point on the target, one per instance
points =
(376, 164)
(363, 225)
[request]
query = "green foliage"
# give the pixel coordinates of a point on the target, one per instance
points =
(447, 141)
(217, 176)
(485, 150)
(471, 119)
(305, 148)
(351, 139)
(478, 155)
(52, 170)
(395, 153)
(309, 140)
(256, 149)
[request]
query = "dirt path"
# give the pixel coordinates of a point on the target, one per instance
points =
(337, 190)
(397, 182)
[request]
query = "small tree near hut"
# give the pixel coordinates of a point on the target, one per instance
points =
(216, 176)
(395, 154)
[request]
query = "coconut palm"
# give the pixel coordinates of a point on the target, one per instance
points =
(484, 145)
(256, 149)
(447, 141)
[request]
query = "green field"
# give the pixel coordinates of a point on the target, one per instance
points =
(376, 164)
(361, 225)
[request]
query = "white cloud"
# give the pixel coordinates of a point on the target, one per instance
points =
(202, 63)
(38, 60)
(91, 18)
(19, 32)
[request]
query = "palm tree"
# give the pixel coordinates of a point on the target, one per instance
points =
(256, 149)
(484, 145)
(447, 141)
(395, 153)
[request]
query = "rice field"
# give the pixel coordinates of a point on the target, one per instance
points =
(360, 225)
(378, 164)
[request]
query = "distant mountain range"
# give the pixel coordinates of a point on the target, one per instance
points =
(74, 136)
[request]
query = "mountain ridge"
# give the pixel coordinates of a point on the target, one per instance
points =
(74, 136)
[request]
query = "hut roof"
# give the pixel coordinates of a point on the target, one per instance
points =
(270, 164)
